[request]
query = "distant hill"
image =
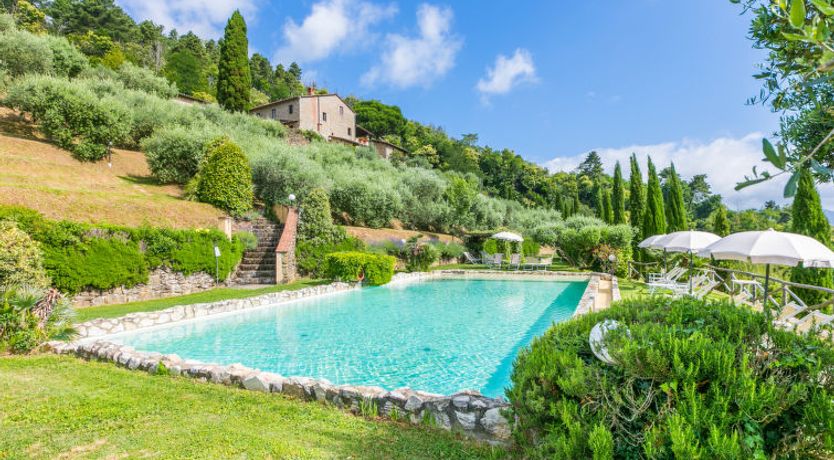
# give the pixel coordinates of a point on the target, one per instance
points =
(830, 215)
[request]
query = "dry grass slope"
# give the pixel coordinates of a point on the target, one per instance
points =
(42, 177)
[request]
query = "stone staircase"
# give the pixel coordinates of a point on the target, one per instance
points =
(258, 265)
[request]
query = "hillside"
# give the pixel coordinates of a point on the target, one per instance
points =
(42, 177)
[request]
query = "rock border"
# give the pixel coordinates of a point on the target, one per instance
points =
(467, 411)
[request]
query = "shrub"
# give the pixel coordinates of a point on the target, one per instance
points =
(279, 175)
(316, 222)
(450, 250)
(693, 379)
(20, 258)
(7, 22)
(310, 256)
(530, 248)
(225, 180)
(96, 264)
(22, 53)
(418, 255)
(66, 59)
(24, 324)
(174, 153)
(351, 266)
(142, 79)
(73, 117)
(367, 202)
(580, 240)
(248, 240)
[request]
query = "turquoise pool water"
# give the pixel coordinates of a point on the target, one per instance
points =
(439, 336)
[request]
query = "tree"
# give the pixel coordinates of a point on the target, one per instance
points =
(187, 70)
(654, 219)
(380, 119)
(720, 224)
(618, 196)
(591, 166)
(225, 180)
(809, 219)
(316, 222)
(600, 203)
(636, 200)
(77, 17)
(676, 217)
(233, 77)
(607, 210)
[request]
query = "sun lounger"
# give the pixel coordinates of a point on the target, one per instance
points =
(470, 259)
(515, 261)
(494, 261)
(812, 320)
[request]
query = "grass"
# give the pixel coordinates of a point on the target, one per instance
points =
(39, 176)
(214, 295)
(63, 407)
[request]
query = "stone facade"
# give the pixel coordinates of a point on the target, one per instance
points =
(467, 411)
(162, 282)
(326, 114)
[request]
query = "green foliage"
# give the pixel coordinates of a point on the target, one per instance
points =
(676, 219)
(450, 250)
(696, 380)
(720, 224)
(22, 53)
(142, 79)
(379, 118)
(369, 204)
(809, 219)
(80, 256)
(636, 201)
(585, 242)
(618, 197)
(233, 78)
(248, 240)
(418, 255)
(21, 327)
(174, 153)
(352, 266)
(28, 17)
(530, 248)
(225, 180)
(654, 217)
(72, 116)
(21, 261)
(316, 222)
(310, 256)
(66, 59)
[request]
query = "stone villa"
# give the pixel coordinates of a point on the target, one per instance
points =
(326, 114)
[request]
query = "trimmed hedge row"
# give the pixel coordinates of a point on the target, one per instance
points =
(350, 266)
(80, 256)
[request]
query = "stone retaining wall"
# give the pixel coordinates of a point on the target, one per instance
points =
(162, 282)
(467, 411)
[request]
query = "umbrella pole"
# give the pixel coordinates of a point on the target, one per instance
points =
(690, 272)
(664, 261)
(764, 301)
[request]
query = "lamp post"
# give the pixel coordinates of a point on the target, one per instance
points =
(110, 154)
(216, 264)
(612, 258)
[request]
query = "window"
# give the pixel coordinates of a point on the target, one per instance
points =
(273, 114)
(324, 116)
(349, 132)
(341, 111)
(290, 108)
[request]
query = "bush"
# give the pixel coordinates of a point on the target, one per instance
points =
(96, 264)
(418, 255)
(225, 180)
(248, 240)
(22, 53)
(585, 242)
(67, 61)
(281, 174)
(20, 258)
(73, 117)
(694, 379)
(450, 250)
(174, 153)
(316, 222)
(351, 266)
(24, 324)
(367, 203)
(310, 256)
(142, 79)
(530, 248)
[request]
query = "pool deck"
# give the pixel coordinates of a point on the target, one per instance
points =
(467, 411)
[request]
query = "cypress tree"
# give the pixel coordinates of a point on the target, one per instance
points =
(636, 201)
(676, 217)
(654, 218)
(618, 196)
(608, 211)
(600, 202)
(720, 224)
(233, 74)
(808, 219)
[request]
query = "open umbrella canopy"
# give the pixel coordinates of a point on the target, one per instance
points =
(686, 241)
(508, 236)
(771, 247)
(649, 243)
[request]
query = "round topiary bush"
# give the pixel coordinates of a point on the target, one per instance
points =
(693, 379)
(225, 179)
(21, 261)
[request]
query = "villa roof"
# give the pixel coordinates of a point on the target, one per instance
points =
(304, 96)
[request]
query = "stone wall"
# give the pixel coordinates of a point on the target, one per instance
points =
(467, 411)
(162, 282)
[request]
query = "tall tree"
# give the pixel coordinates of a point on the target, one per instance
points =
(809, 219)
(234, 79)
(636, 201)
(618, 196)
(654, 217)
(600, 203)
(720, 224)
(676, 217)
(608, 211)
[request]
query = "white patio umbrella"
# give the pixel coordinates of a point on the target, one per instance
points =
(651, 243)
(508, 236)
(687, 241)
(771, 247)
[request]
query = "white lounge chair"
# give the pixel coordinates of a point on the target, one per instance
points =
(495, 260)
(812, 320)
(515, 261)
(471, 259)
(541, 263)
(668, 281)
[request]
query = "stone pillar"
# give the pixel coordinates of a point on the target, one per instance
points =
(285, 268)
(225, 225)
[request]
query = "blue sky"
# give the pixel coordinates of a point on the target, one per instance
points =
(550, 80)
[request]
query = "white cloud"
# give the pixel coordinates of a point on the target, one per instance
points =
(206, 18)
(508, 72)
(418, 61)
(725, 160)
(332, 26)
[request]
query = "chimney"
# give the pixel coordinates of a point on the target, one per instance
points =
(311, 90)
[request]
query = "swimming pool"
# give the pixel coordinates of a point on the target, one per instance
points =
(439, 335)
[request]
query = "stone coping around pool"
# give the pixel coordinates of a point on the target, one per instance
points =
(467, 411)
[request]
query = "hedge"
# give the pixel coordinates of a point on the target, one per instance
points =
(225, 178)
(692, 379)
(82, 256)
(350, 266)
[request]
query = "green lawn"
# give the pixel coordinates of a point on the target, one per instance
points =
(214, 295)
(64, 407)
